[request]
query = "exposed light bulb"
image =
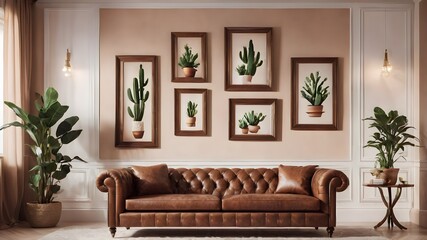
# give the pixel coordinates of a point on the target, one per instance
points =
(67, 66)
(386, 66)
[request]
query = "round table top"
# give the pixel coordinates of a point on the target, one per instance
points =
(400, 185)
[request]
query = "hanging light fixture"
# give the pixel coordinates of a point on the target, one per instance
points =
(67, 66)
(386, 65)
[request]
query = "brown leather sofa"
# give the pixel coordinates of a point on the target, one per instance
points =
(158, 196)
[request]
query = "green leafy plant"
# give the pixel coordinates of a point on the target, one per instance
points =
(191, 109)
(137, 96)
(314, 91)
(243, 124)
(391, 136)
(241, 69)
(251, 60)
(253, 118)
(188, 59)
(51, 166)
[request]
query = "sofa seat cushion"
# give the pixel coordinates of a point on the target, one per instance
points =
(174, 202)
(271, 202)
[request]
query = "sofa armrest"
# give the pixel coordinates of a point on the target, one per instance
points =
(324, 185)
(119, 183)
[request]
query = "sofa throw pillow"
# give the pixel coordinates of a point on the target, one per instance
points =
(295, 179)
(152, 179)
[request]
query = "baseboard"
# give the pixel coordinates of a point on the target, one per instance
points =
(353, 215)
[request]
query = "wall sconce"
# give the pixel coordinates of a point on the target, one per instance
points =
(386, 66)
(67, 66)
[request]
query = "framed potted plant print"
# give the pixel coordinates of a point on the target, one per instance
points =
(136, 101)
(189, 60)
(248, 59)
(190, 112)
(253, 119)
(314, 93)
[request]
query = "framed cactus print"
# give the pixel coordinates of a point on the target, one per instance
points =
(191, 112)
(248, 59)
(137, 101)
(189, 57)
(314, 93)
(253, 119)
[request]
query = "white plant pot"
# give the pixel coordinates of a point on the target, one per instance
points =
(246, 79)
(138, 129)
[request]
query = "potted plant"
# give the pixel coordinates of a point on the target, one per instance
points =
(138, 97)
(253, 120)
(191, 113)
(188, 62)
(51, 166)
(315, 94)
(390, 141)
(244, 126)
(251, 63)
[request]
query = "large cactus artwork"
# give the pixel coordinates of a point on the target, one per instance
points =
(138, 96)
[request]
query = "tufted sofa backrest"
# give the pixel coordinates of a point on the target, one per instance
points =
(223, 182)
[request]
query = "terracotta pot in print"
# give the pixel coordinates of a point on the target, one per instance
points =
(245, 130)
(314, 111)
(190, 122)
(189, 72)
(254, 129)
(138, 129)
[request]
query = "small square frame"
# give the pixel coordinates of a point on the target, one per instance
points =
(301, 68)
(198, 44)
(268, 127)
(198, 96)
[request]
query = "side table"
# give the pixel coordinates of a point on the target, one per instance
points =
(390, 217)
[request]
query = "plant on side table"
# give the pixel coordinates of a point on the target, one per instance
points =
(390, 141)
(253, 120)
(315, 94)
(188, 62)
(138, 97)
(51, 165)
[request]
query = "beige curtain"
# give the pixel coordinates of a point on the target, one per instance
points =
(17, 69)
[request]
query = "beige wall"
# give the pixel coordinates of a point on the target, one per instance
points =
(296, 33)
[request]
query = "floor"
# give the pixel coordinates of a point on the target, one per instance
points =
(414, 232)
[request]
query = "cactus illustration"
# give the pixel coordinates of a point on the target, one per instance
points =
(251, 60)
(191, 109)
(137, 96)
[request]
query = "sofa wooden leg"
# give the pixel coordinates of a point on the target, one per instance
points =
(127, 228)
(330, 231)
(317, 228)
(113, 231)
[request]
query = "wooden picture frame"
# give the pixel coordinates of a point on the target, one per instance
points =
(184, 124)
(197, 41)
(268, 127)
(236, 38)
(304, 118)
(128, 68)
